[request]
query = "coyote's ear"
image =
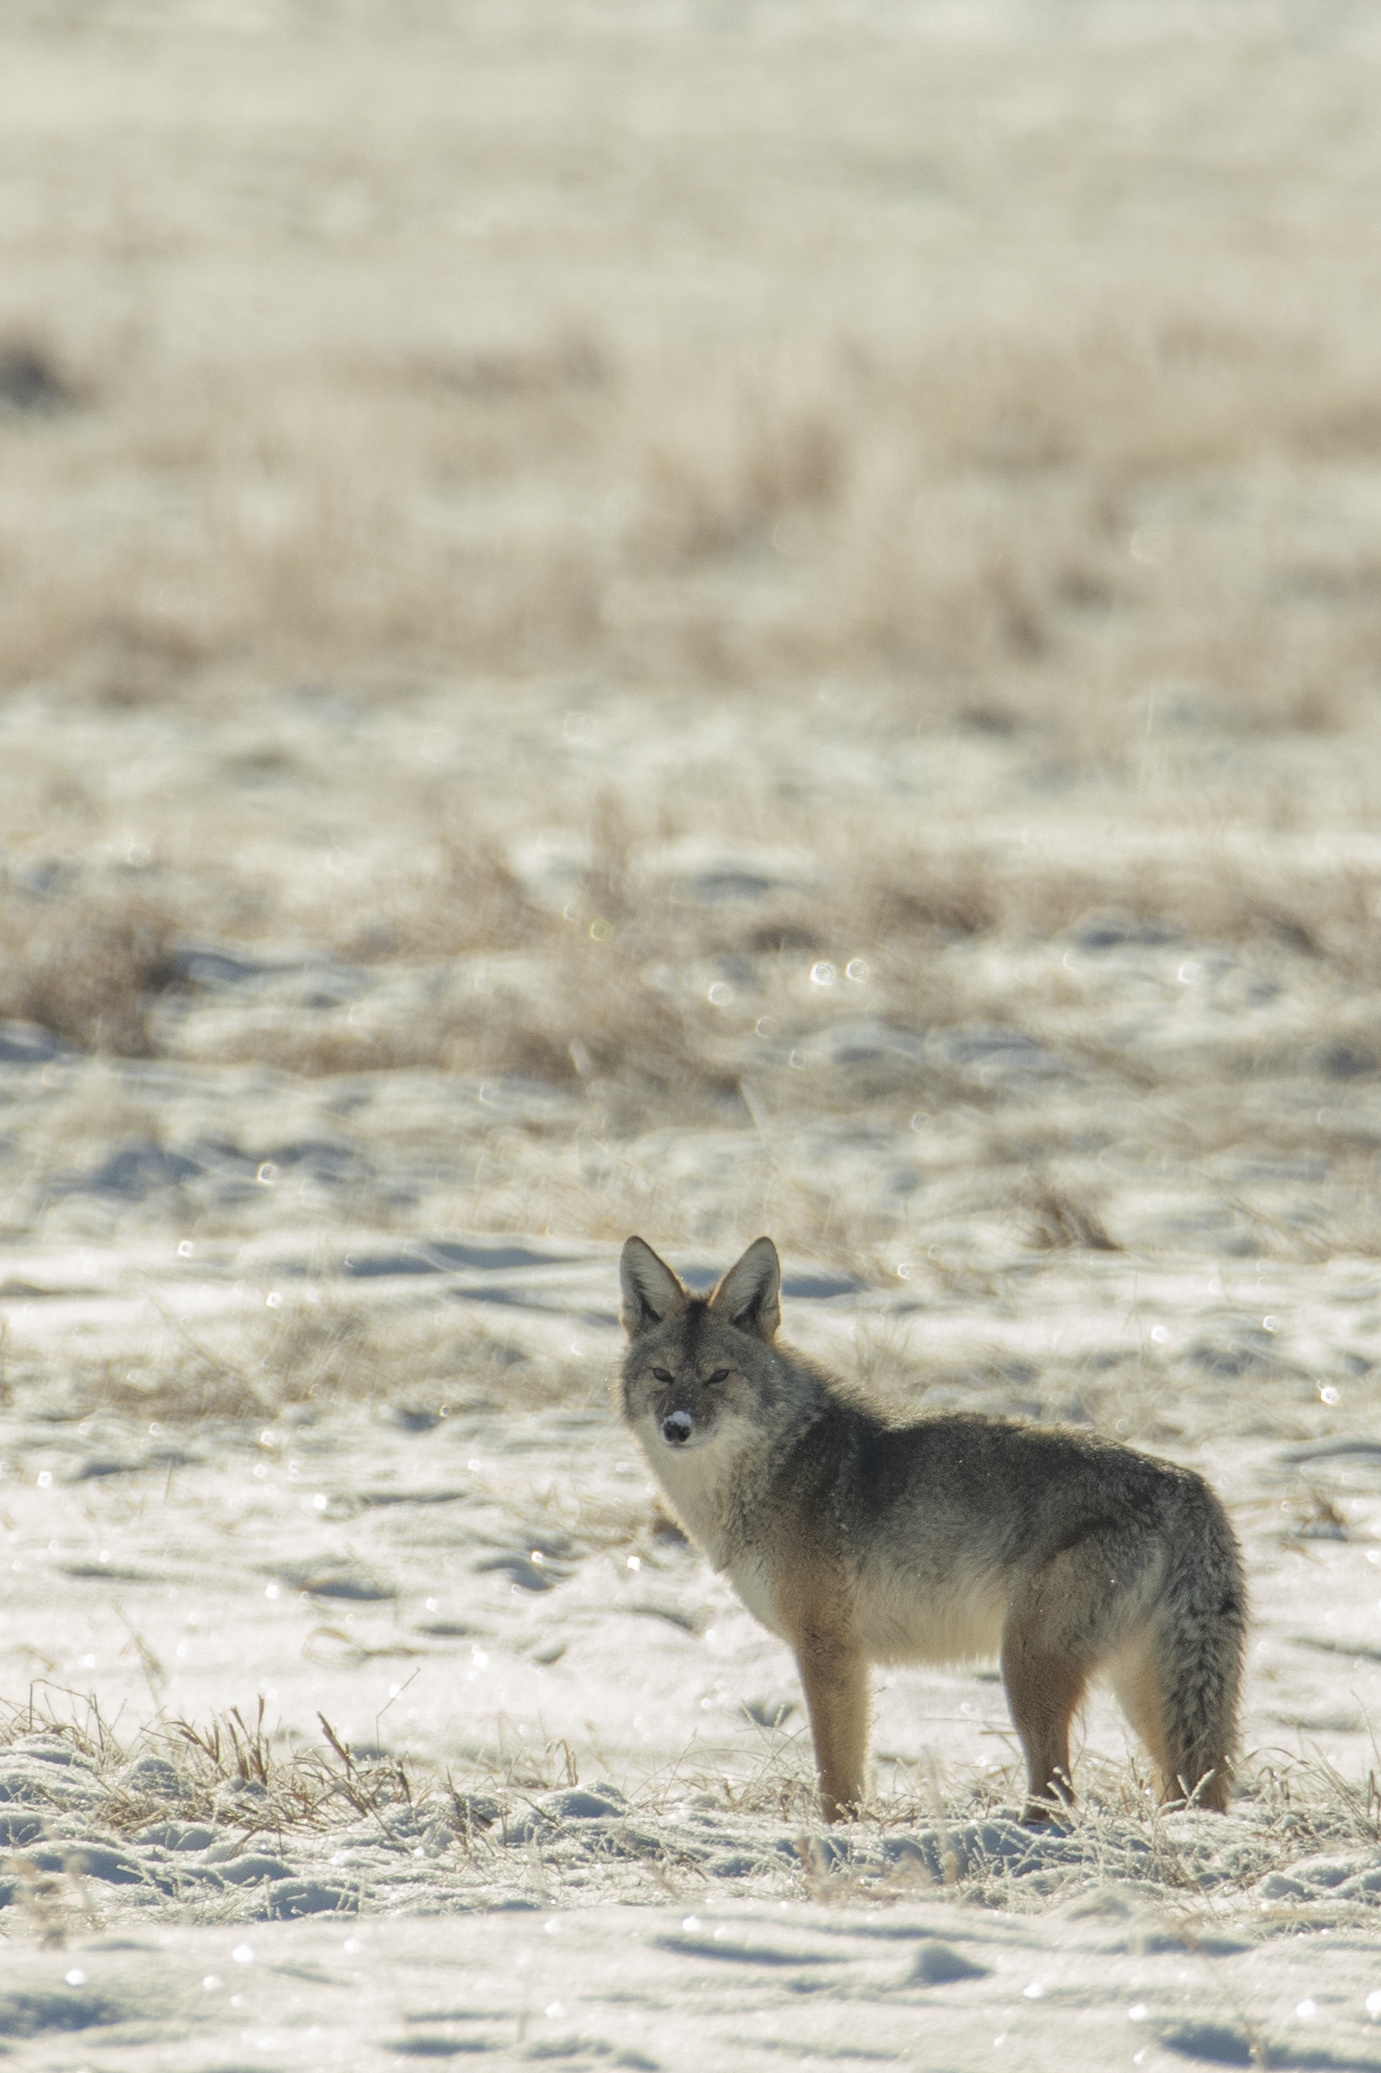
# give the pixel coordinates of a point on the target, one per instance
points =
(650, 1290)
(750, 1293)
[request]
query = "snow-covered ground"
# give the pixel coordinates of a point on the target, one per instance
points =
(723, 1983)
(528, 1781)
(351, 1664)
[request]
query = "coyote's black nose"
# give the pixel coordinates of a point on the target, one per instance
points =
(676, 1428)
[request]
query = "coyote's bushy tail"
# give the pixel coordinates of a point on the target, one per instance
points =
(1197, 1647)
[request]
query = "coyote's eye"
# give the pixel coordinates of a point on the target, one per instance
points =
(719, 1375)
(661, 1374)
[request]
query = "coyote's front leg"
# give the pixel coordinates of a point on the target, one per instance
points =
(835, 1677)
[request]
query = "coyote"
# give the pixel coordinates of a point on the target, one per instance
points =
(961, 1536)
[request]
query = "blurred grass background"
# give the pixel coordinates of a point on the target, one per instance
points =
(996, 360)
(433, 432)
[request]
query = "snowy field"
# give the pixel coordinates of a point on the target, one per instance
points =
(408, 1727)
(651, 618)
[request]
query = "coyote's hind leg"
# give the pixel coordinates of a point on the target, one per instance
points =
(1044, 1687)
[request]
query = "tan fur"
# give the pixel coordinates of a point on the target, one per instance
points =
(952, 1539)
(816, 1618)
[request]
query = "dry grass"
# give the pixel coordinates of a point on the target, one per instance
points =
(86, 966)
(233, 1770)
(251, 1784)
(1228, 1005)
(1059, 1220)
(954, 531)
(254, 1785)
(595, 999)
(494, 419)
(651, 999)
(312, 1353)
(1070, 519)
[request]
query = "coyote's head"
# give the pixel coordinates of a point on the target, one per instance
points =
(698, 1365)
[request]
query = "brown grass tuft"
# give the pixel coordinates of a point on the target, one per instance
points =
(768, 467)
(86, 966)
(1060, 1220)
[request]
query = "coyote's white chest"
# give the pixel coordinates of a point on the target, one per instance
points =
(756, 1586)
(706, 1487)
(697, 1480)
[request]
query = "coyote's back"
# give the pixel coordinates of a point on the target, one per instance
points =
(953, 1538)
